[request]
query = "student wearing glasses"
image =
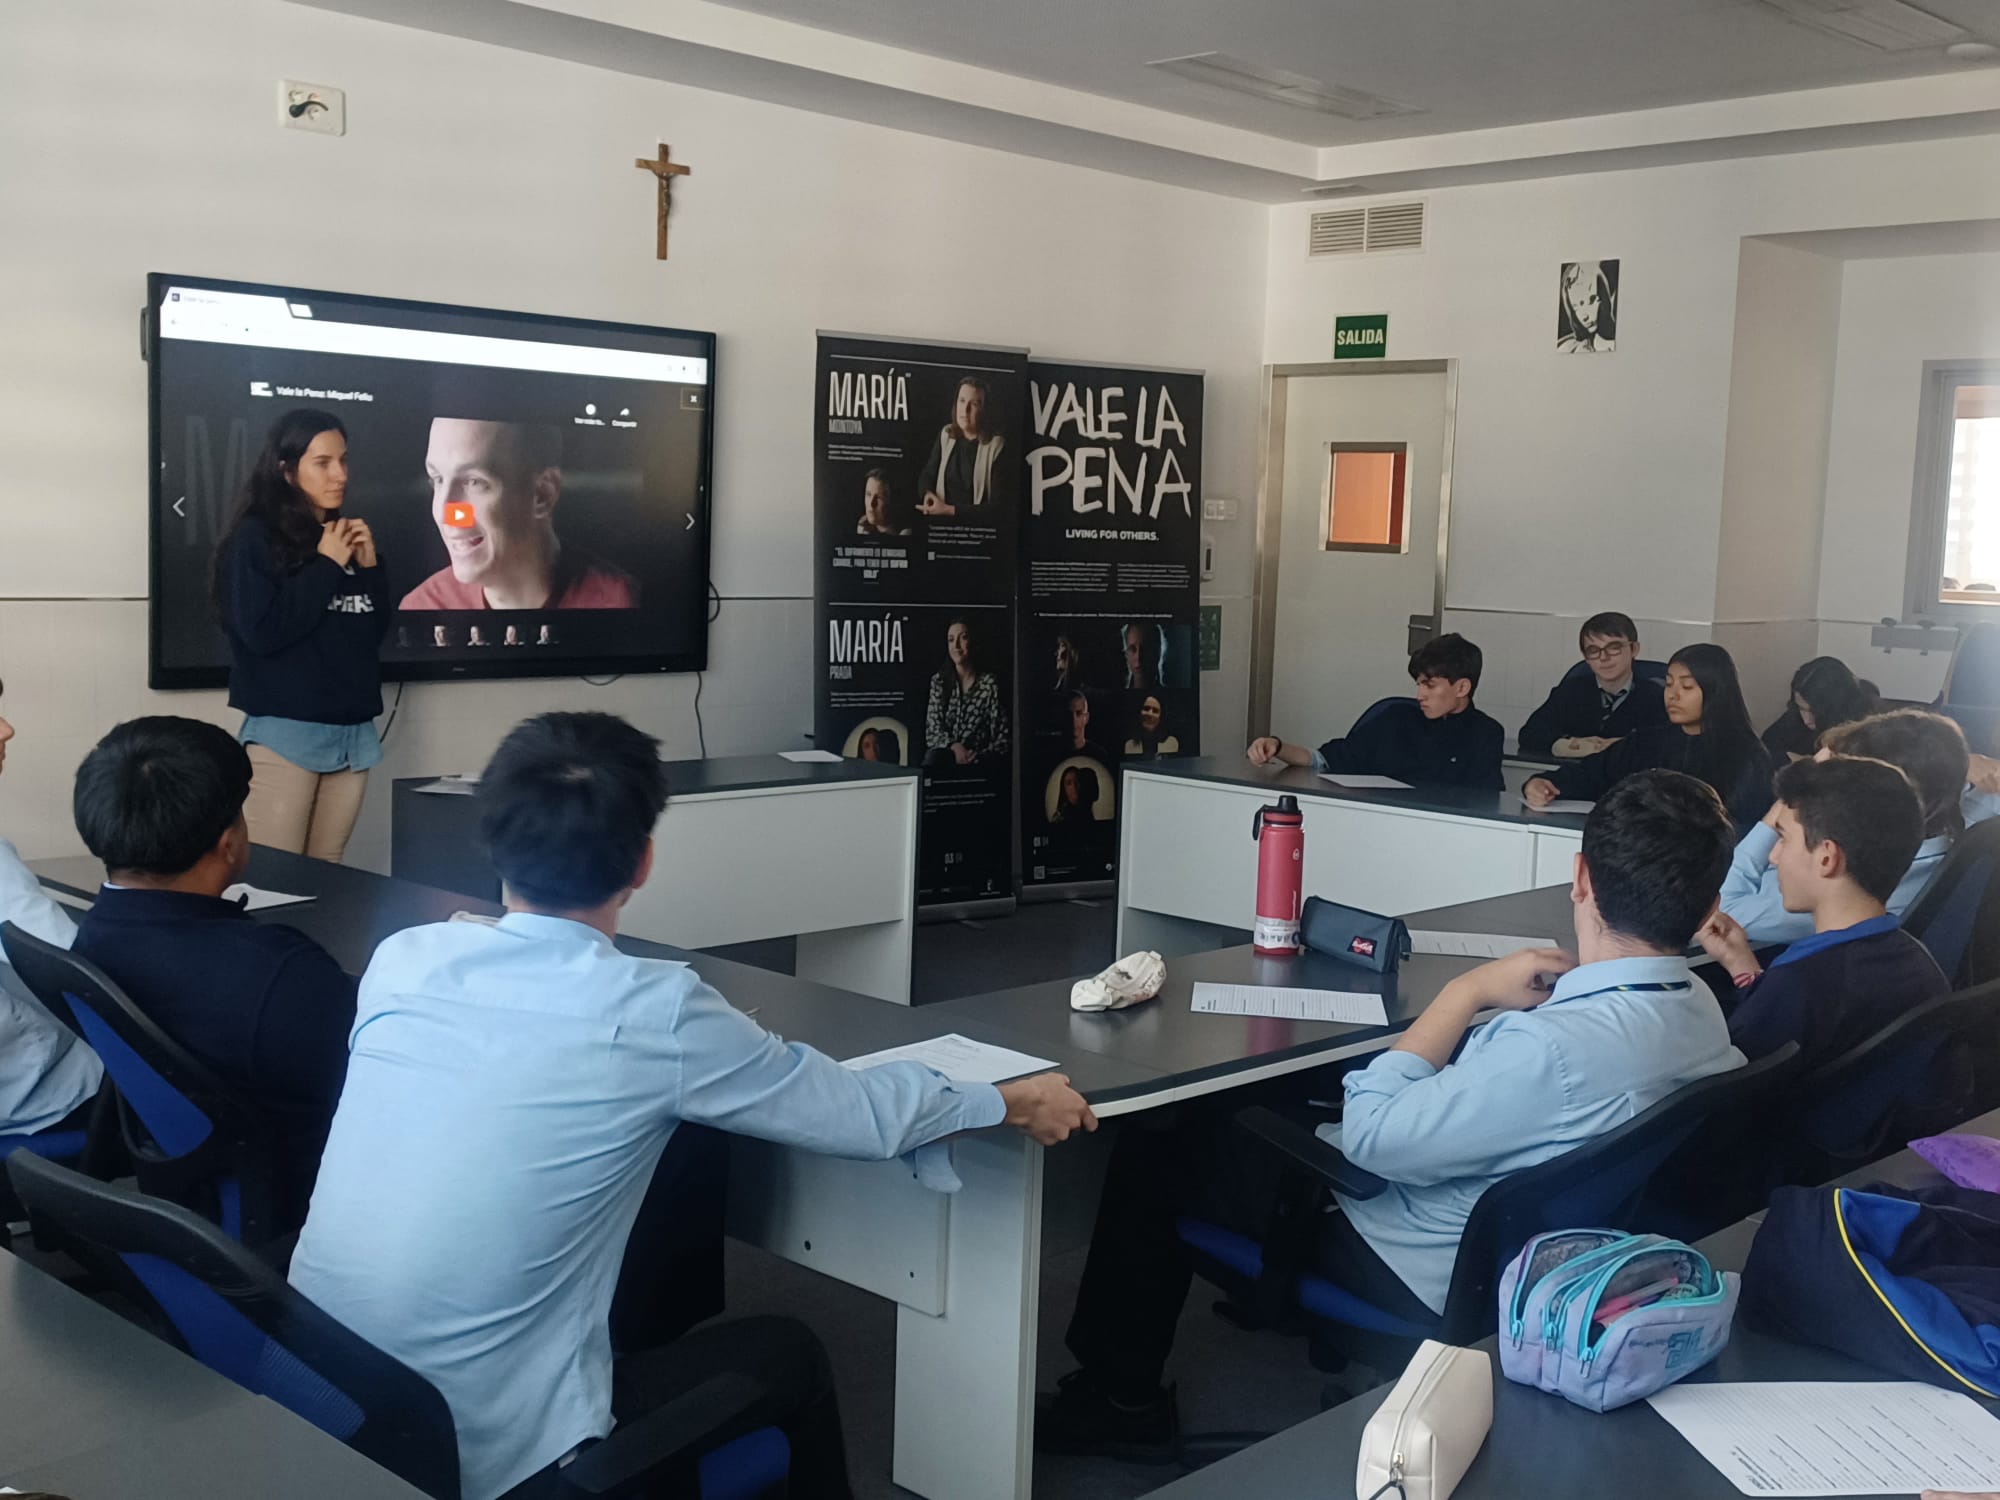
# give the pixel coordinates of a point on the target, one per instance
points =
(1589, 712)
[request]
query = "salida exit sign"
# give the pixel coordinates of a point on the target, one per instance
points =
(1364, 337)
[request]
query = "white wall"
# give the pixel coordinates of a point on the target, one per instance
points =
(1593, 482)
(137, 136)
(1894, 315)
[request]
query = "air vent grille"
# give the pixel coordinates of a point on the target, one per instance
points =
(1340, 231)
(1367, 231)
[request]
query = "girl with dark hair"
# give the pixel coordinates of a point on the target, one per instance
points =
(305, 604)
(963, 722)
(1708, 735)
(1825, 695)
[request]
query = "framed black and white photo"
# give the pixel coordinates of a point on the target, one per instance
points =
(1587, 307)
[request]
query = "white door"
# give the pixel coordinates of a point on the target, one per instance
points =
(1341, 637)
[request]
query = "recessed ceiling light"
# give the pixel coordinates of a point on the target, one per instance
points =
(1972, 51)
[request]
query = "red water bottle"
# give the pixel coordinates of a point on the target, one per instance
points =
(1280, 833)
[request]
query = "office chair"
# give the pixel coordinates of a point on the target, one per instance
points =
(1599, 1183)
(1923, 1073)
(1957, 914)
(238, 1316)
(191, 1139)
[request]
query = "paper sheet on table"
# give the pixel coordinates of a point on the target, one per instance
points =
(260, 899)
(1828, 1438)
(1473, 944)
(1561, 805)
(960, 1059)
(1364, 783)
(451, 786)
(812, 757)
(1350, 1007)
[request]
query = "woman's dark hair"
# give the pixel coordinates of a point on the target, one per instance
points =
(1835, 695)
(566, 806)
(273, 499)
(1725, 719)
(1657, 846)
(156, 794)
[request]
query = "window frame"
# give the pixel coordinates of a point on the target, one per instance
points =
(1400, 451)
(1930, 496)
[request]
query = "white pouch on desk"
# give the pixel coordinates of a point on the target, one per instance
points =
(1425, 1436)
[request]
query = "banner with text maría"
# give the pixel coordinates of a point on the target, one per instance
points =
(1111, 565)
(917, 481)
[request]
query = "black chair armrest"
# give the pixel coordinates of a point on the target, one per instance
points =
(1302, 1147)
(659, 1452)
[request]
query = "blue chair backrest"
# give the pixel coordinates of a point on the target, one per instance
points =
(1957, 914)
(231, 1345)
(191, 1138)
(755, 1465)
(1381, 707)
(234, 1313)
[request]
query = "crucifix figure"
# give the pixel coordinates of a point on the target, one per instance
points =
(666, 170)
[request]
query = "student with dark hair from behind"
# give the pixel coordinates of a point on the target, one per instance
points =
(510, 1090)
(1846, 832)
(1437, 737)
(1927, 748)
(1581, 1045)
(1591, 711)
(1708, 735)
(160, 802)
(1824, 695)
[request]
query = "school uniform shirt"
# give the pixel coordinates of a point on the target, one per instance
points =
(509, 1091)
(1612, 1040)
(47, 1071)
(1750, 891)
(1833, 990)
(1745, 787)
(1578, 708)
(305, 644)
(261, 1004)
(1461, 749)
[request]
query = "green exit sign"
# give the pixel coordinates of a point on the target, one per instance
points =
(1364, 337)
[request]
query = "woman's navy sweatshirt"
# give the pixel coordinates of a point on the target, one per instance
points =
(305, 643)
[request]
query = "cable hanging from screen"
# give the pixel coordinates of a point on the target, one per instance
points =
(394, 709)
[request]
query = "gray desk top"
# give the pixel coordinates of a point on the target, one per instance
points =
(1236, 770)
(91, 1405)
(749, 773)
(1542, 1446)
(353, 910)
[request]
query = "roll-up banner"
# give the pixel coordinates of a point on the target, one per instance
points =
(1110, 603)
(918, 488)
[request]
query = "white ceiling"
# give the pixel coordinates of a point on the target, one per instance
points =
(1466, 64)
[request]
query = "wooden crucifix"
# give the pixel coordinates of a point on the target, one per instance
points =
(666, 170)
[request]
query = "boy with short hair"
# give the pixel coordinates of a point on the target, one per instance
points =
(1846, 830)
(1592, 711)
(1438, 737)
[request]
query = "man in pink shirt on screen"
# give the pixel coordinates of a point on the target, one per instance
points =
(494, 489)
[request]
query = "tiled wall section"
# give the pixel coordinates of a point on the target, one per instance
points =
(73, 668)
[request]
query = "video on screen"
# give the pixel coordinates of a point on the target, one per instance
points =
(537, 487)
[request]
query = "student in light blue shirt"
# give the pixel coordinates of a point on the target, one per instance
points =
(1926, 747)
(48, 1075)
(509, 1091)
(1583, 1045)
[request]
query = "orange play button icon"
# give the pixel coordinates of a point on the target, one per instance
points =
(457, 513)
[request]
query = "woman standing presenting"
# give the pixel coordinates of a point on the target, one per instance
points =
(305, 607)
